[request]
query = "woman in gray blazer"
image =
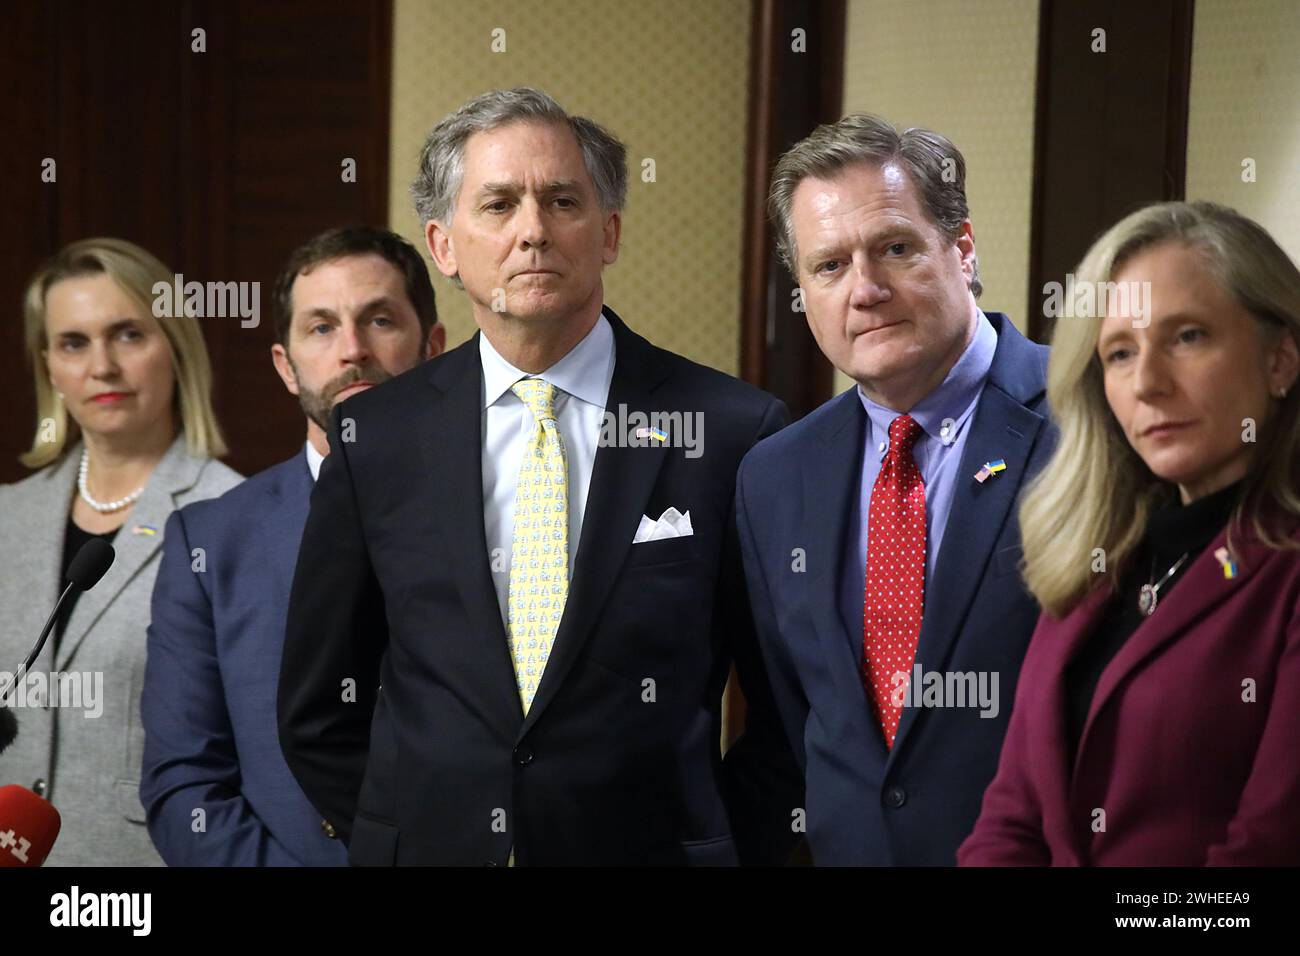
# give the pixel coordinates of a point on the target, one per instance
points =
(125, 434)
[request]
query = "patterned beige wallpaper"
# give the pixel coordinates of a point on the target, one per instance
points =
(668, 78)
(1245, 106)
(967, 70)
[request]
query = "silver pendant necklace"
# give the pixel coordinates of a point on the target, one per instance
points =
(1149, 595)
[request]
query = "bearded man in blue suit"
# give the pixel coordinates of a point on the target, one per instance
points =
(353, 307)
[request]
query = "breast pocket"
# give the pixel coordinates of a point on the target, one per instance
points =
(663, 551)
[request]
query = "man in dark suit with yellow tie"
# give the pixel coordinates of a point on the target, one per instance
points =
(519, 591)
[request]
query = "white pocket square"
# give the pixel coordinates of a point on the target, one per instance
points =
(673, 524)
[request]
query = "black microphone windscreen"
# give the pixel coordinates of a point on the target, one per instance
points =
(8, 727)
(91, 563)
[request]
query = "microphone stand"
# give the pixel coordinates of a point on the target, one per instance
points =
(40, 644)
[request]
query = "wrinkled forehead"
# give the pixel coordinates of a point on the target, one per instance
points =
(525, 154)
(347, 283)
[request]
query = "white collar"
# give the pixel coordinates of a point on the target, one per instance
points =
(314, 459)
(584, 372)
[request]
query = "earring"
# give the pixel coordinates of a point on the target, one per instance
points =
(60, 394)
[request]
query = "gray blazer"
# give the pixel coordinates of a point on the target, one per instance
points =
(89, 765)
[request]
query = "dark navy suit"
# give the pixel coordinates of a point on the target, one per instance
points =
(208, 706)
(866, 804)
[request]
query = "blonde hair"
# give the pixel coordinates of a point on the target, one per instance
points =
(1095, 491)
(136, 272)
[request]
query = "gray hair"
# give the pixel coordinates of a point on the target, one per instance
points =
(935, 166)
(442, 156)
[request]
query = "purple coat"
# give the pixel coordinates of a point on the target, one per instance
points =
(1191, 747)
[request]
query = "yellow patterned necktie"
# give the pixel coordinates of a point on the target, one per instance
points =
(539, 555)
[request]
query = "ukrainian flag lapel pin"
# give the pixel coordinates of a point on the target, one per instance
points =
(989, 469)
(1227, 563)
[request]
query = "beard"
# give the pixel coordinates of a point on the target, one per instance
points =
(318, 403)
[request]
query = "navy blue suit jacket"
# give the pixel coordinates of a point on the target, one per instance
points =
(912, 805)
(213, 669)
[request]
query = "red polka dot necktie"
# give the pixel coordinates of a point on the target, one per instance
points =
(895, 586)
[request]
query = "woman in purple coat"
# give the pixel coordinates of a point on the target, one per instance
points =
(1157, 716)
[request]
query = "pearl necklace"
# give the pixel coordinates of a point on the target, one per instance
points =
(103, 507)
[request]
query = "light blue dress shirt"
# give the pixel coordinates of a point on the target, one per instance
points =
(944, 415)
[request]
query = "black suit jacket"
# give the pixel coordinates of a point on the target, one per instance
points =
(618, 760)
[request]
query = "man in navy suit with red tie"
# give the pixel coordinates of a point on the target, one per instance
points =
(879, 534)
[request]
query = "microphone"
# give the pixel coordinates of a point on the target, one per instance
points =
(90, 564)
(87, 567)
(29, 826)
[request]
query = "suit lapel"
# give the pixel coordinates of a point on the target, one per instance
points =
(1001, 428)
(1202, 588)
(286, 506)
(51, 495)
(133, 546)
(1068, 638)
(830, 481)
(622, 480)
(450, 440)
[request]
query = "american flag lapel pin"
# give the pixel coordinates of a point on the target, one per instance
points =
(989, 469)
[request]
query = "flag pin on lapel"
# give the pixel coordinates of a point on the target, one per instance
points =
(990, 468)
(144, 529)
(1229, 565)
(656, 433)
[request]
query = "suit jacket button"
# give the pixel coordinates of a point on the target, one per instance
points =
(39, 788)
(329, 829)
(895, 797)
(523, 756)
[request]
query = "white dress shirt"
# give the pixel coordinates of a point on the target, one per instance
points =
(581, 380)
(314, 458)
